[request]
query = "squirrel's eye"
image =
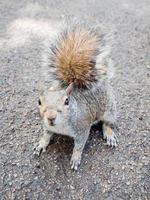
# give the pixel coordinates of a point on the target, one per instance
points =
(67, 101)
(39, 102)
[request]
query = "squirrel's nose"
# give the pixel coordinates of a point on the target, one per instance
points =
(52, 121)
(51, 116)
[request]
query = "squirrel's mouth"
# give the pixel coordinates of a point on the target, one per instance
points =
(51, 122)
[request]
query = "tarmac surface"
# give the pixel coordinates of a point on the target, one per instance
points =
(105, 173)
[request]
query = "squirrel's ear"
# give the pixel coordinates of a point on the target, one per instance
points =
(69, 89)
(41, 90)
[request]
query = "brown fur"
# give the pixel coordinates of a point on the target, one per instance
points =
(75, 60)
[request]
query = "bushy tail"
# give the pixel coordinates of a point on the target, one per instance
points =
(75, 52)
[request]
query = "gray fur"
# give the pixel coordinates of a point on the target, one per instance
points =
(86, 106)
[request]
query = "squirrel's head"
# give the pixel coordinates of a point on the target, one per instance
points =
(54, 106)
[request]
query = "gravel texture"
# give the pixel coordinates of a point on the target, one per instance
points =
(105, 173)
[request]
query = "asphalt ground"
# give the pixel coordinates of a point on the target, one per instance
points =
(105, 173)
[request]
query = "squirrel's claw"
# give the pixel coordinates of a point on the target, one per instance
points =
(112, 140)
(75, 164)
(75, 160)
(109, 136)
(38, 149)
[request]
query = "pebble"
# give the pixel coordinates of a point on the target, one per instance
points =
(72, 187)
(128, 183)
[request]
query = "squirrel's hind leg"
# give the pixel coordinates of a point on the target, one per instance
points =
(41, 146)
(109, 135)
(109, 118)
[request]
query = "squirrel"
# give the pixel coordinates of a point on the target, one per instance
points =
(79, 96)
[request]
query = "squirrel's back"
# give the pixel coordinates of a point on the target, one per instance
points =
(74, 53)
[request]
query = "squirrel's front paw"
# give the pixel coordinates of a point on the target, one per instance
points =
(75, 160)
(39, 148)
(110, 137)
